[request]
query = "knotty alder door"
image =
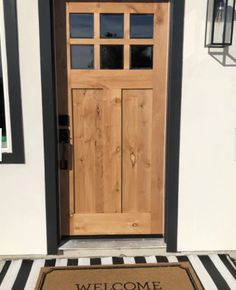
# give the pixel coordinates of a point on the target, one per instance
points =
(117, 67)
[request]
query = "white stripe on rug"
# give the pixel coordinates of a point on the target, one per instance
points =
(172, 259)
(34, 273)
(129, 260)
(61, 262)
(2, 263)
(202, 273)
(151, 259)
(11, 275)
(223, 271)
(84, 262)
(107, 261)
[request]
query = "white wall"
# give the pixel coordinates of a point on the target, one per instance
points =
(22, 187)
(207, 188)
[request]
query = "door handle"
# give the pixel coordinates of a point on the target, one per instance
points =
(64, 140)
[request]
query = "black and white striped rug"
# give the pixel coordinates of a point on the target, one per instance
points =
(214, 271)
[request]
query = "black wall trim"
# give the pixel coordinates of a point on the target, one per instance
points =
(10, 15)
(49, 125)
(173, 123)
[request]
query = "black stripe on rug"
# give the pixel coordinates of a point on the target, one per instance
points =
(162, 259)
(95, 261)
(4, 271)
(214, 273)
(139, 260)
(227, 264)
(50, 263)
(117, 260)
(182, 258)
(22, 275)
(72, 262)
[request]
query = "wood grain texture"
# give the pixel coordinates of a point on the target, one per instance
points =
(111, 41)
(115, 79)
(96, 41)
(111, 224)
(160, 64)
(112, 7)
(137, 150)
(97, 146)
(117, 121)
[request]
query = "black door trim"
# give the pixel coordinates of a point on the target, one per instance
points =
(50, 123)
(173, 122)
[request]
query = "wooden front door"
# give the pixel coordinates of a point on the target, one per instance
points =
(117, 68)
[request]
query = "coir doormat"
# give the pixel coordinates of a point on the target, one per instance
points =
(163, 276)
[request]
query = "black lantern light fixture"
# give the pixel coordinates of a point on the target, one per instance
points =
(220, 23)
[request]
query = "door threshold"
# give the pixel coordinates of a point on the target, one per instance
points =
(114, 247)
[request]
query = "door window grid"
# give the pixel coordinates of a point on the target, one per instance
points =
(126, 41)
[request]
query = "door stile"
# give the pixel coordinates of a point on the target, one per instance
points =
(159, 112)
(70, 113)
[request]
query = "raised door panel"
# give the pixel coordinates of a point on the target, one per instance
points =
(137, 150)
(97, 150)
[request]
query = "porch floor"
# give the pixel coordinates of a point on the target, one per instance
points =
(123, 248)
(22, 274)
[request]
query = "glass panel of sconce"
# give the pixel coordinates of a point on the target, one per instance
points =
(224, 16)
(229, 19)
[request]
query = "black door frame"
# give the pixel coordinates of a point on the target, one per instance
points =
(50, 123)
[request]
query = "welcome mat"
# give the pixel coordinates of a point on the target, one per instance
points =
(172, 276)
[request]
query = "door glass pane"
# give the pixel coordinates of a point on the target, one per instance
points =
(112, 56)
(2, 107)
(82, 56)
(141, 26)
(112, 26)
(141, 57)
(81, 25)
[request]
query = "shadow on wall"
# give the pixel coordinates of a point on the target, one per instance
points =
(226, 56)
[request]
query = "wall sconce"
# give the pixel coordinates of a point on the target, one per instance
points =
(220, 23)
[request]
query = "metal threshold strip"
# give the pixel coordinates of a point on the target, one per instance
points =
(117, 247)
(104, 244)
